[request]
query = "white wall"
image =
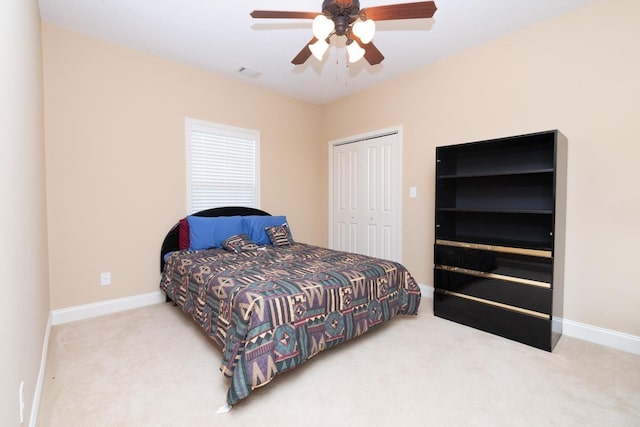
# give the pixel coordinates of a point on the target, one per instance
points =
(24, 306)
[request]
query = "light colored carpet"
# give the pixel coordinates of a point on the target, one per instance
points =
(153, 367)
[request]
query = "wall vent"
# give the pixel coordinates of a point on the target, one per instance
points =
(245, 71)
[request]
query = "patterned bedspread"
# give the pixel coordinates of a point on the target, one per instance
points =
(272, 309)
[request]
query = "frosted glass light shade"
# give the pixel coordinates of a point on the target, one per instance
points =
(365, 30)
(355, 52)
(319, 48)
(322, 27)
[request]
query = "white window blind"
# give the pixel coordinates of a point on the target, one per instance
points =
(222, 166)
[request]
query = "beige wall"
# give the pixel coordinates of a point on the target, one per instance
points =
(115, 153)
(24, 306)
(577, 73)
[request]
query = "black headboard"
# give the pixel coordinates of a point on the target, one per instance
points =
(170, 242)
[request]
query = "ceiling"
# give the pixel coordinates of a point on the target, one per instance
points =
(220, 36)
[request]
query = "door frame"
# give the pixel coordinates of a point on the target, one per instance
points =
(398, 178)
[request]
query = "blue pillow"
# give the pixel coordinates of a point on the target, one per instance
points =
(255, 227)
(205, 232)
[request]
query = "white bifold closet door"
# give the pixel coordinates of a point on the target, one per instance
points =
(365, 197)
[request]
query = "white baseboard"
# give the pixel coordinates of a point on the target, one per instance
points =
(427, 291)
(88, 311)
(606, 337)
(582, 331)
(594, 334)
(35, 406)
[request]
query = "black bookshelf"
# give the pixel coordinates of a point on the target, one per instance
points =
(499, 252)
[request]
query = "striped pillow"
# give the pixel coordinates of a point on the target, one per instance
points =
(280, 235)
(239, 243)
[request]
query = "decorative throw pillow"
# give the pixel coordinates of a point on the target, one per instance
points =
(183, 234)
(239, 243)
(279, 235)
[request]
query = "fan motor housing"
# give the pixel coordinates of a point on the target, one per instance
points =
(342, 13)
(341, 3)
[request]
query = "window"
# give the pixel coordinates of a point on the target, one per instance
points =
(222, 166)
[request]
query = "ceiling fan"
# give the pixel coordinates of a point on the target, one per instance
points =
(345, 18)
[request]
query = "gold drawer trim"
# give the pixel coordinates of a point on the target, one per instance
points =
(494, 276)
(494, 248)
(497, 304)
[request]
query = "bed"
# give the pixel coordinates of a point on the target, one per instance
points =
(272, 304)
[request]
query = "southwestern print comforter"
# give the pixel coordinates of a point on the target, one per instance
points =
(273, 308)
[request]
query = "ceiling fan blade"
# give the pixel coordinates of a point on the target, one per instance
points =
(304, 54)
(283, 14)
(372, 54)
(423, 9)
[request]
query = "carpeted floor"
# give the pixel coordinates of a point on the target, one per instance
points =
(153, 367)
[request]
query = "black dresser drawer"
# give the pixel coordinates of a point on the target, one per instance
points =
(524, 328)
(535, 269)
(511, 293)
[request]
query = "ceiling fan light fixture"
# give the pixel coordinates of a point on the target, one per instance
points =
(345, 18)
(355, 52)
(322, 27)
(319, 48)
(365, 30)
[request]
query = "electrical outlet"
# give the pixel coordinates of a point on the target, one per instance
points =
(105, 279)
(21, 400)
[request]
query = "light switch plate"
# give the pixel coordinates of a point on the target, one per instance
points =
(105, 279)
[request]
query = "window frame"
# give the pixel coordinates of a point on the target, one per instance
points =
(220, 130)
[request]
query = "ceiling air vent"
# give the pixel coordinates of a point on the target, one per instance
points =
(249, 72)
